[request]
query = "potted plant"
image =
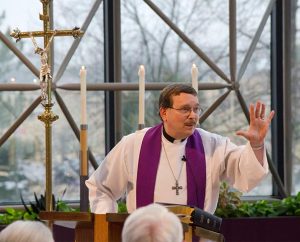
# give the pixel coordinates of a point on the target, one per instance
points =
(31, 212)
(261, 220)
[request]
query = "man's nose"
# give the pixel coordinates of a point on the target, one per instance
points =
(193, 114)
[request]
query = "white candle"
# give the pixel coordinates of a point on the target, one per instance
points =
(83, 94)
(195, 77)
(141, 74)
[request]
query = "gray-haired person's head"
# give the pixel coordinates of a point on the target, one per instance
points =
(26, 231)
(152, 223)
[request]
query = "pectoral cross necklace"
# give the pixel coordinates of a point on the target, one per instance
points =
(177, 187)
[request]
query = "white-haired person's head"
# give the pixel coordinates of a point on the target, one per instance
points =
(26, 231)
(152, 223)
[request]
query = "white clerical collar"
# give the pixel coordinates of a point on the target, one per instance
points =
(170, 138)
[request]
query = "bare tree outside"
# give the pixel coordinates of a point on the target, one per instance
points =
(295, 93)
(147, 40)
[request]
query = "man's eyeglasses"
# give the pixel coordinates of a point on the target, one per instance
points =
(187, 110)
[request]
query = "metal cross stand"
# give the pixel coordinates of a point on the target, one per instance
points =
(47, 117)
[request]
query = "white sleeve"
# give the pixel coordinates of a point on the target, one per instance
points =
(241, 168)
(108, 183)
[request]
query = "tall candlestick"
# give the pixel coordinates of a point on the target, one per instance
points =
(195, 77)
(83, 94)
(141, 74)
(84, 193)
(84, 205)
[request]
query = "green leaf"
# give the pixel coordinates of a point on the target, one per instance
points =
(230, 205)
(64, 207)
(297, 212)
(10, 211)
(122, 208)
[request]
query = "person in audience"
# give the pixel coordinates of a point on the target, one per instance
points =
(152, 223)
(26, 231)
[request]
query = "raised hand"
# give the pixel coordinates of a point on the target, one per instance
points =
(259, 125)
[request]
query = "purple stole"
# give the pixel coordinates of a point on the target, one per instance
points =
(148, 165)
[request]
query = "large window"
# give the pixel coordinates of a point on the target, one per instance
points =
(229, 41)
(294, 58)
(22, 155)
(148, 40)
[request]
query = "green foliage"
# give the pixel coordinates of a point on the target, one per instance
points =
(122, 208)
(12, 215)
(230, 205)
(64, 207)
(32, 212)
(228, 202)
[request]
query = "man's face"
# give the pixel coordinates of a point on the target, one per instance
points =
(180, 120)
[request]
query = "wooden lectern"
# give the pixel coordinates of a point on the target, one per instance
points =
(91, 227)
(108, 227)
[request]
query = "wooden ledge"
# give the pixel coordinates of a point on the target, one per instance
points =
(66, 216)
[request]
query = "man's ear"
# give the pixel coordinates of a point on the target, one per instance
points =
(162, 113)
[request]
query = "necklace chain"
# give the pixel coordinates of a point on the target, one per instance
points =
(176, 187)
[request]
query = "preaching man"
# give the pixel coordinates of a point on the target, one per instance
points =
(175, 162)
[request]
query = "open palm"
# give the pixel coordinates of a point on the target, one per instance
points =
(259, 124)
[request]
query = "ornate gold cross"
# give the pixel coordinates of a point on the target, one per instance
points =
(47, 33)
(46, 84)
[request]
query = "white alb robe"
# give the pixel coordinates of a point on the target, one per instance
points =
(224, 161)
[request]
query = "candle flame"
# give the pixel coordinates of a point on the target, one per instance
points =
(141, 70)
(194, 69)
(194, 72)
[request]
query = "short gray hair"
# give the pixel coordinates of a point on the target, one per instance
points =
(26, 231)
(153, 223)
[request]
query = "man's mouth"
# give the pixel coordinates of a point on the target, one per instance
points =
(190, 124)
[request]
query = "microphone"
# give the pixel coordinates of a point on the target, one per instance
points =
(183, 158)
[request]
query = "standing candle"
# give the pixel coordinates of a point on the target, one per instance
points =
(141, 74)
(84, 201)
(195, 77)
(83, 94)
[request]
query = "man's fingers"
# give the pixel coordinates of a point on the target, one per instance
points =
(257, 109)
(263, 110)
(271, 115)
(251, 111)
